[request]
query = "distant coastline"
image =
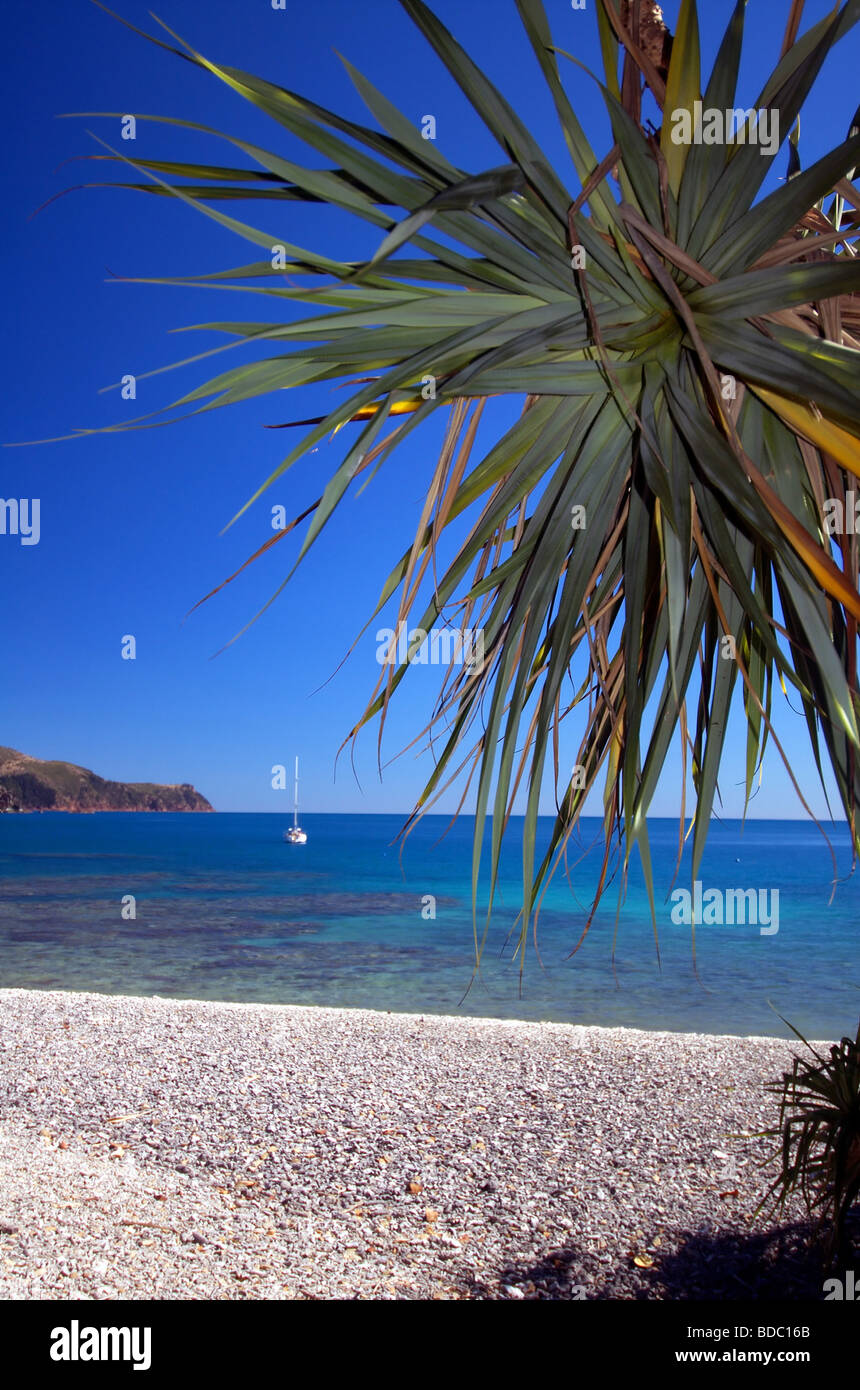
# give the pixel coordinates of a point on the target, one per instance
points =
(38, 784)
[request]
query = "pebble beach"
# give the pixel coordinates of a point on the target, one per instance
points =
(167, 1149)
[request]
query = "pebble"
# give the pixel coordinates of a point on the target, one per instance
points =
(176, 1149)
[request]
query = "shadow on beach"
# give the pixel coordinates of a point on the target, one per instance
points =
(779, 1263)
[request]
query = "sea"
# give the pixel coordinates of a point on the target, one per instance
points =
(218, 906)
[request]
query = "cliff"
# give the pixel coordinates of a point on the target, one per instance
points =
(33, 784)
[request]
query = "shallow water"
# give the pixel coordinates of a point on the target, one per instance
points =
(226, 910)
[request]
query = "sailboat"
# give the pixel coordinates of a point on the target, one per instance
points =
(295, 835)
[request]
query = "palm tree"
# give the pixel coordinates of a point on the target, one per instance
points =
(656, 523)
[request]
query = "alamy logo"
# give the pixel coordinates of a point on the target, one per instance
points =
(711, 126)
(734, 906)
(76, 1343)
(842, 519)
(839, 1291)
(443, 645)
(21, 517)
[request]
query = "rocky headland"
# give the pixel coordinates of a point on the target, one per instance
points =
(37, 784)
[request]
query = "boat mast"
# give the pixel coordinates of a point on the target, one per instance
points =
(296, 804)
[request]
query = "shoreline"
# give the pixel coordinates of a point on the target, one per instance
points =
(161, 1148)
(454, 1019)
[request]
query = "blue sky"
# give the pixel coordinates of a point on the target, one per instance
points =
(130, 523)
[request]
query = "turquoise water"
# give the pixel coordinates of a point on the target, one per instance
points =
(226, 910)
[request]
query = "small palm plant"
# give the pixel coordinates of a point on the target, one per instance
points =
(819, 1129)
(654, 527)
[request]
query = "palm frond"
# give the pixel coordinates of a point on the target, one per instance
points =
(619, 321)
